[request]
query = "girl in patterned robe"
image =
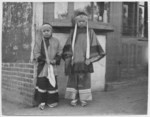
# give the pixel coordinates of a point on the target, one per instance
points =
(45, 93)
(80, 51)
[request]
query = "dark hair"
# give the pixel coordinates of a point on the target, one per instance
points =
(80, 13)
(77, 13)
(48, 24)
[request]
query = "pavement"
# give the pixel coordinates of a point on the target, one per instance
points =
(124, 100)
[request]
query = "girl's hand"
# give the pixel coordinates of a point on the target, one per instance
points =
(87, 61)
(53, 62)
(48, 62)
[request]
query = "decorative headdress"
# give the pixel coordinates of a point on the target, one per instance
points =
(46, 25)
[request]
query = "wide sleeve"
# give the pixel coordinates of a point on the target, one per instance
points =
(67, 50)
(58, 54)
(37, 51)
(96, 49)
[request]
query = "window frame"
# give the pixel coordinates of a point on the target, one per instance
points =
(135, 25)
(49, 17)
(69, 13)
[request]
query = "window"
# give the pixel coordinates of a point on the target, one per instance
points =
(135, 19)
(142, 31)
(97, 11)
(83, 6)
(60, 10)
(141, 19)
(129, 19)
(61, 13)
(100, 11)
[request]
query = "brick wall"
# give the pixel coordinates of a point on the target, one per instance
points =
(18, 82)
(19, 79)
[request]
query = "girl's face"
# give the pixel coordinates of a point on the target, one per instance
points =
(81, 21)
(47, 31)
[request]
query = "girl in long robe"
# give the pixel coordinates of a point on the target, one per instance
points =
(80, 51)
(45, 92)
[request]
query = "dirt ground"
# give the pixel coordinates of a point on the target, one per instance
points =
(126, 100)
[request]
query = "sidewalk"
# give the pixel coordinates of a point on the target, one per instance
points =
(126, 100)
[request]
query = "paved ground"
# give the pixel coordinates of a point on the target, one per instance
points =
(126, 100)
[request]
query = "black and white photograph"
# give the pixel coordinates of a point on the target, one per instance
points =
(74, 58)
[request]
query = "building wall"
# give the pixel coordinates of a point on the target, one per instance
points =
(134, 58)
(126, 55)
(113, 43)
(17, 72)
(16, 32)
(18, 82)
(98, 78)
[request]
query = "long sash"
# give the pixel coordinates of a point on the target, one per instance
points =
(51, 76)
(88, 41)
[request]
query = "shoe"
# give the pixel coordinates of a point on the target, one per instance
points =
(74, 102)
(41, 106)
(83, 103)
(52, 105)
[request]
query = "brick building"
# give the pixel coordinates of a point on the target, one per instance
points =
(121, 28)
